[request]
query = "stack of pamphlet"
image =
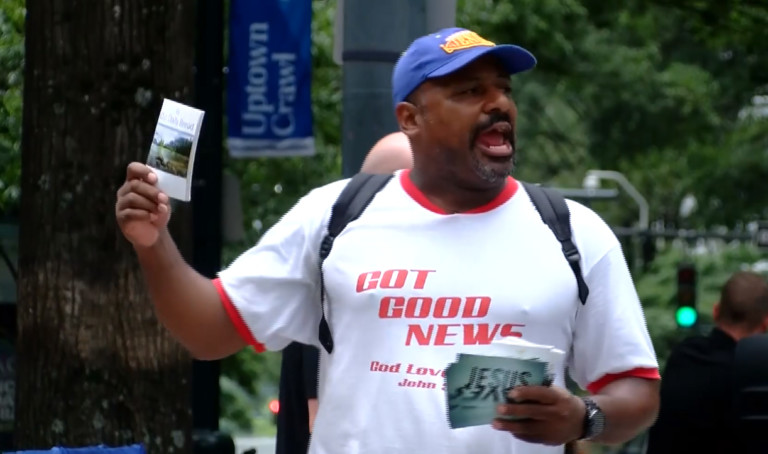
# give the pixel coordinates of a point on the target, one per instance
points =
(476, 384)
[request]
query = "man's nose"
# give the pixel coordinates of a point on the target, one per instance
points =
(498, 100)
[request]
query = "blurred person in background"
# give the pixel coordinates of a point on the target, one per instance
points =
(698, 413)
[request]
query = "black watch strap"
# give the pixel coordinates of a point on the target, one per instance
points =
(594, 419)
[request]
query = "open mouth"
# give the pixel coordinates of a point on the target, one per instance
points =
(495, 142)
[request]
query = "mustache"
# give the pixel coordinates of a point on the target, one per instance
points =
(493, 118)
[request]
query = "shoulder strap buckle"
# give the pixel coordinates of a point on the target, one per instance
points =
(325, 246)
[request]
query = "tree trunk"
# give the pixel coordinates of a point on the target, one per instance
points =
(94, 365)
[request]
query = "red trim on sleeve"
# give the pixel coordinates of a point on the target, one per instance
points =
(237, 320)
(651, 373)
(509, 190)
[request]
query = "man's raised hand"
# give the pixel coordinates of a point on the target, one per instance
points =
(142, 210)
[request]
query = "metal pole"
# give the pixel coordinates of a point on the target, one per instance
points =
(375, 34)
(627, 186)
(206, 190)
(746, 237)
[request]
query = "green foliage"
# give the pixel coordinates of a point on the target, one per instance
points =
(180, 145)
(12, 14)
(248, 383)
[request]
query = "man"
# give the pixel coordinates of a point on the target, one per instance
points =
(299, 366)
(457, 231)
(391, 153)
(697, 392)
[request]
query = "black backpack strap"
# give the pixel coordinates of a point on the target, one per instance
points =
(554, 212)
(350, 204)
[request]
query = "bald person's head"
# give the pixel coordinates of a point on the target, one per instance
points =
(392, 152)
(743, 304)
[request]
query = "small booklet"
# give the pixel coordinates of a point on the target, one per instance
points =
(172, 153)
(476, 384)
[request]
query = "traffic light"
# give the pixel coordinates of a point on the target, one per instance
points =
(274, 407)
(686, 314)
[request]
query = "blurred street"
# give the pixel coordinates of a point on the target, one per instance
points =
(263, 445)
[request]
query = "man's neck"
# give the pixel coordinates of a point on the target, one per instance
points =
(454, 198)
(737, 333)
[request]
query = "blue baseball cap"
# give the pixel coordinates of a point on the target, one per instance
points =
(449, 50)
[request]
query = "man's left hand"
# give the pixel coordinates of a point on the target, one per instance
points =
(553, 415)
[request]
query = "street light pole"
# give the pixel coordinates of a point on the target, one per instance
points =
(206, 191)
(592, 182)
(373, 35)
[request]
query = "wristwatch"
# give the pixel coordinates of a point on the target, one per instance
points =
(594, 419)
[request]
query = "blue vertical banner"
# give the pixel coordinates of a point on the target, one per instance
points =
(269, 106)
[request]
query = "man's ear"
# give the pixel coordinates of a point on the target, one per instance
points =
(764, 326)
(407, 116)
(716, 311)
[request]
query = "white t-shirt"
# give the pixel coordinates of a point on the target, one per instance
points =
(409, 286)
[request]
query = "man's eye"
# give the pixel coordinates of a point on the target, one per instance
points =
(469, 91)
(507, 90)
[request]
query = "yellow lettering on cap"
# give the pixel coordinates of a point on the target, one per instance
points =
(464, 40)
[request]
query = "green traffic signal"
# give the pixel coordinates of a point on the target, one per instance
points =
(686, 316)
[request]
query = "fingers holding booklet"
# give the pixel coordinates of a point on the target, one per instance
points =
(142, 209)
(143, 206)
(548, 415)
